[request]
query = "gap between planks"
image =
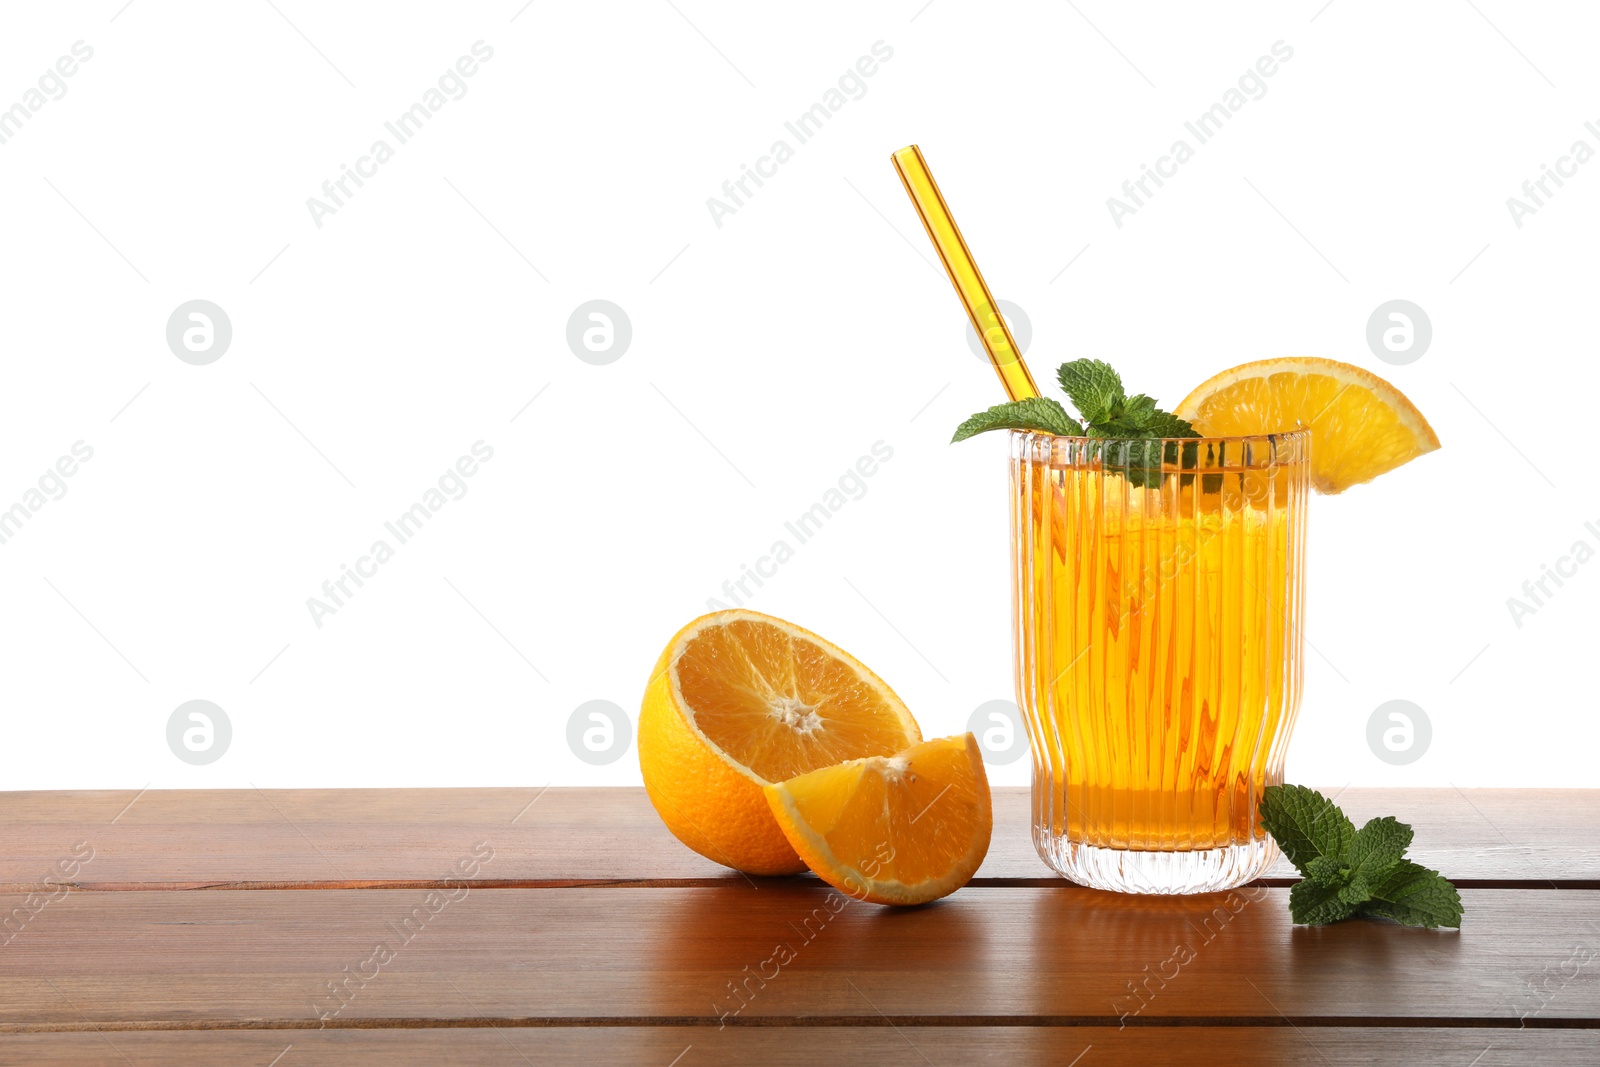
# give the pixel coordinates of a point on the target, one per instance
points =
(700, 1022)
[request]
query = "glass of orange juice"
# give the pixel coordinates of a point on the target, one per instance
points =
(1159, 591)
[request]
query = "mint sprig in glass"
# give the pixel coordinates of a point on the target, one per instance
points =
(1105, 411)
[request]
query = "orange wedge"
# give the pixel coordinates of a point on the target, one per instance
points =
(1361, 426)
(902, 829)
(739, 700)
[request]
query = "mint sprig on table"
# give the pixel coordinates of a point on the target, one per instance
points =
(1104, 408)
(1349, 872)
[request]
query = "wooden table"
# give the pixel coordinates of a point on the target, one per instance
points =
(306, 927)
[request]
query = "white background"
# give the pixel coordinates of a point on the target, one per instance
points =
(768, 354)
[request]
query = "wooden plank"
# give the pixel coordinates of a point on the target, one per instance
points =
(984, 956)
(881, 1045)
(350, 837)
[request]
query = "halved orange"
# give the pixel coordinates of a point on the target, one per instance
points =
(739, 700)
(1361, 426)
(903, 829)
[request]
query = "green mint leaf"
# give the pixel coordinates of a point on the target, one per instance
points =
(1108, 413)
(1378, 846)
(1316, 904)
(1355, 889)
(1327, 871)
(1306, 824)
(1353, 873)
(1115, 429)
(1164, 424)
(1093, 387)
(1137, 408)
(1414, 895)
(1141, 424)
(1035, 413)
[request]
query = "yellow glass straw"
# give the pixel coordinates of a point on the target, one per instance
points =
(964, 274)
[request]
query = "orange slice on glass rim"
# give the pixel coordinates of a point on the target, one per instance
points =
(1361, 426)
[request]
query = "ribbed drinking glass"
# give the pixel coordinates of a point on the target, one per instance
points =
(1159, 594)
